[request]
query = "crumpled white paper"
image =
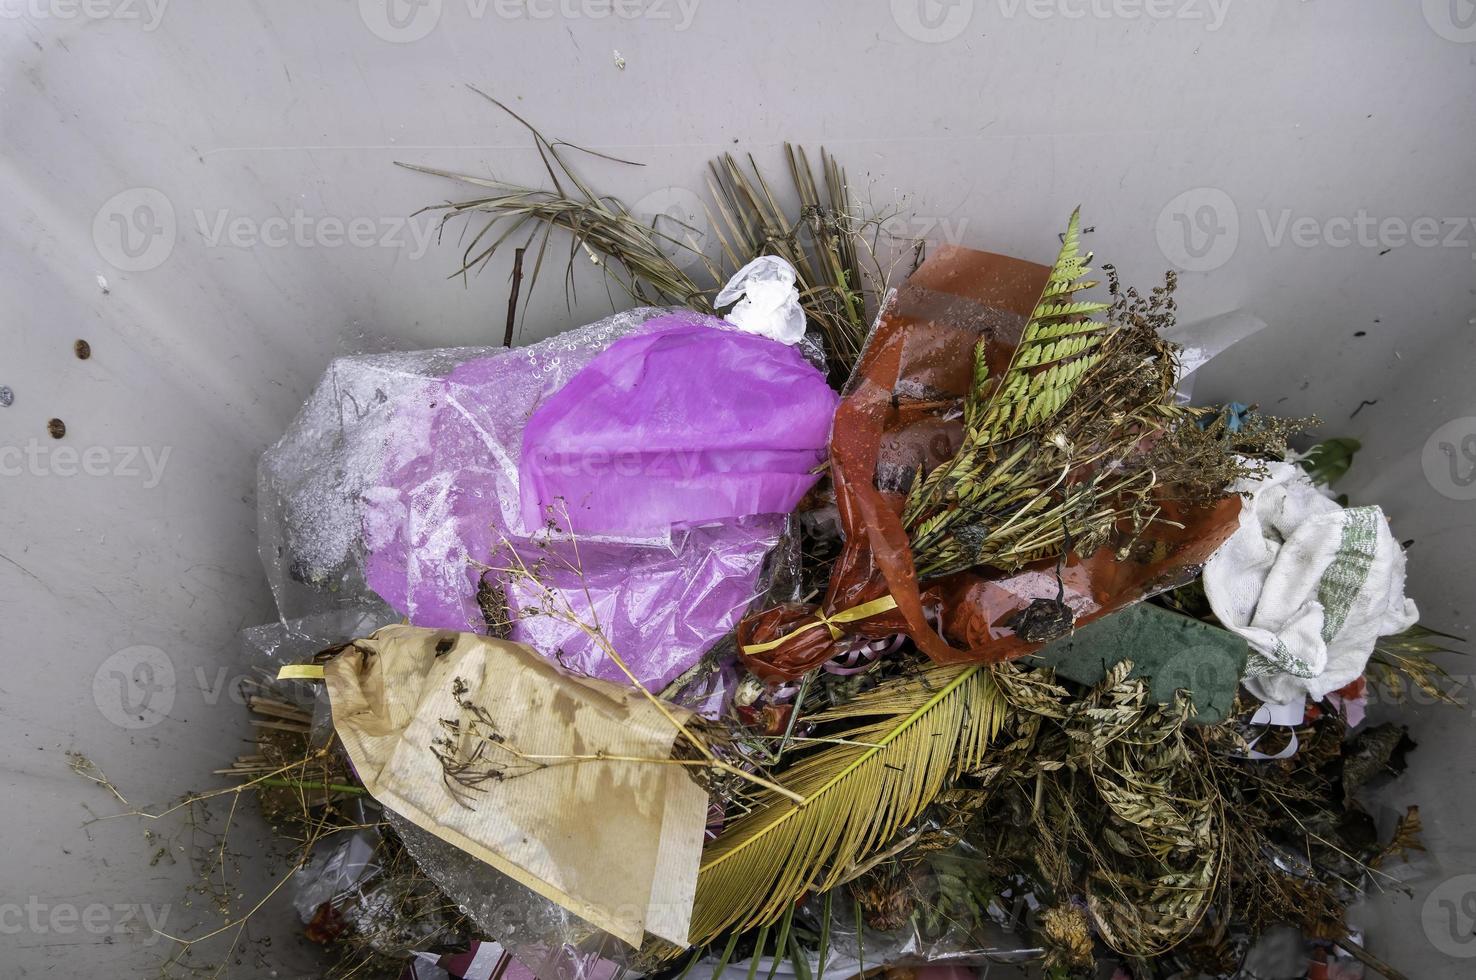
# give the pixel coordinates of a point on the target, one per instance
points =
(768, 300)
(1309, 585)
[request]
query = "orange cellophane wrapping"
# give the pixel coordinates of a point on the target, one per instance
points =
(901, 410)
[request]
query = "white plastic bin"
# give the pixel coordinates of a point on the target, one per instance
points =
(205, 193)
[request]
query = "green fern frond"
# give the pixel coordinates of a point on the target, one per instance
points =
(1046, 311)
(1060, 333)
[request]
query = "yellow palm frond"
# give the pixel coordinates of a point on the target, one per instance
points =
(918, 734)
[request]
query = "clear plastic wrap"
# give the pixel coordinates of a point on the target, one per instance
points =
(369, 420)
(548, 939)
(334, 870)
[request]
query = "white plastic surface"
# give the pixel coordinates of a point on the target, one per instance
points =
(206, 193)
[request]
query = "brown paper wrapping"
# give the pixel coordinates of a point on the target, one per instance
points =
(617, 843)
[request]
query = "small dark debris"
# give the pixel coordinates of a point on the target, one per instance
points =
(1042, 621)
(1360, 333)
(57, 428)
(7, 397)
(1362, 404)
(1386, 251)
(83, 350)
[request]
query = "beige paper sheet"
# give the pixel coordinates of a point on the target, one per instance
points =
(618, 843)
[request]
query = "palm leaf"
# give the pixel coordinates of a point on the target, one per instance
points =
(857, 795)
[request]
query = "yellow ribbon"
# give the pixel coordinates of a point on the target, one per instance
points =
(301, 672)
(864, 611)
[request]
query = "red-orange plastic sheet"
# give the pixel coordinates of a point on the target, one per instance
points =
(902, 410)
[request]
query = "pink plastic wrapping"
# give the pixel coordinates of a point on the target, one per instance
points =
(683, 422)
(661, 609)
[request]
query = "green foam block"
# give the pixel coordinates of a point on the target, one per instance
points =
(1174, 652)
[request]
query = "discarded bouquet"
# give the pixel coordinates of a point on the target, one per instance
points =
(828, 608)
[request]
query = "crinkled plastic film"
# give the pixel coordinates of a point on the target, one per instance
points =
(549, 939)
(901, 411)
(687, 422)
(398, 483)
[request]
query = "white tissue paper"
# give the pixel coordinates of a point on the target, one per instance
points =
(1309, 585)
(768, 301)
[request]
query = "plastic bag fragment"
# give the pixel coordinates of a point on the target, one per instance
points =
(685, 422)
(332, 871)
(767, 298)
